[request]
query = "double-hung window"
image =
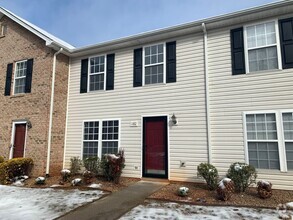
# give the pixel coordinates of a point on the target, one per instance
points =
(154, 64)
(288, 137)
(20, 76)
(97, 73)
(262, 141)
(91, 139)
(269, 140)
(100, 137)
(262, 47)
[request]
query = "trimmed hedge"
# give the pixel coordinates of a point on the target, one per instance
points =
(15, 167)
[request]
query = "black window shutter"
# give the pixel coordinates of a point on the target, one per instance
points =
(110, 71)
(171, 62)
(286, 40)
(137, 68)
(84, 75)
(8, 79)
(237, 51)
(29, 74)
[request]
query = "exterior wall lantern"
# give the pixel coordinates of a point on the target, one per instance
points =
(174, 120)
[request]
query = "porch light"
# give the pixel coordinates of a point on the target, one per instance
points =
(174, 120)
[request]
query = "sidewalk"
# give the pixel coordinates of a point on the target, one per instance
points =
(117, 204)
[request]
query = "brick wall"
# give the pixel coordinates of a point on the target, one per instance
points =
(19, 44)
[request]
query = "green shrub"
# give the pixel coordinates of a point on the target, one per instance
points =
(65, 174)
(92, 164)
(1, 159)
(112, 166)
(243, 175)
(75, 165)
(209, 173)
(15, 167)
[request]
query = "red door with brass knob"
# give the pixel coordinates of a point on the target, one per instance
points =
(155, 156)
(19, 140)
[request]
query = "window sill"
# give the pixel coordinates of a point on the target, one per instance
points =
(154, 85)
(17, 95)
(265, 71)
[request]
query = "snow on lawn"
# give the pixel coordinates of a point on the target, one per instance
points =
(25, 203)
(188, 212)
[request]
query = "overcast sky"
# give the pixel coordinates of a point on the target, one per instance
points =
(84, 22)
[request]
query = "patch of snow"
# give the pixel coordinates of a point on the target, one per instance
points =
(35, 204)
(18, 183)
(222, 183)
(264, 182)
(40, 178)
(193, 212)
(96, 186)
(55, 185)
(65, 171)
(76, 181)
(113, 156)
(237, 167)
(289, 205)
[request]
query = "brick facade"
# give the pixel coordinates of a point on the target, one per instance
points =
(20, 44)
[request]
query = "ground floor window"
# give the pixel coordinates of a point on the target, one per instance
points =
(269, 140)
(104, 133)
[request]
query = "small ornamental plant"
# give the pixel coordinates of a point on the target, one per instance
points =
(65, 174)
(183, 191)
(209, 173)
(243, 175)
(76, 182)
(14, 168)
(1, 159)
(88, 177)
(112, 166)
(75, 165)
(92, 164)
(225, 189)
(264, 189)
(40, 180)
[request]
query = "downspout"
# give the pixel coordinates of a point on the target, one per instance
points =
(205, 47)
(51, 112)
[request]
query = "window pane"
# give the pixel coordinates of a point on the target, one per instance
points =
(19, 86)
(288, 125)
(97, 64)
(110, 147)
(97, 82)
(289, 155)
(110, 130)
(264, 155)
(90, 149)
(91, 130)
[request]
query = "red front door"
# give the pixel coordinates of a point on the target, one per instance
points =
(19, 140)
(155, 147)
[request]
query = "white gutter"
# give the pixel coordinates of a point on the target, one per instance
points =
(207, 95)
(51, 111)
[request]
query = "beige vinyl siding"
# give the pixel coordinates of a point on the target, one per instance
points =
(230, 96)
(185, 98)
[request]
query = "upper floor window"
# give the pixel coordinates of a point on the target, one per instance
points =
(20, 77)
(262, 47)
(154, 64)
(97, 73)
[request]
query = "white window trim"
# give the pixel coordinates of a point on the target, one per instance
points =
(92, 74)
(14, 77)
(277, 45)
(280, 135)
(11, 151)
(144, 66)
(100, 141)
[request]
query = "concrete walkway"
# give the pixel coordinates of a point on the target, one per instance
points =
(116, 204)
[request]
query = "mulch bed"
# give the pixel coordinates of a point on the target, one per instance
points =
(105, 185)
(200, 195)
